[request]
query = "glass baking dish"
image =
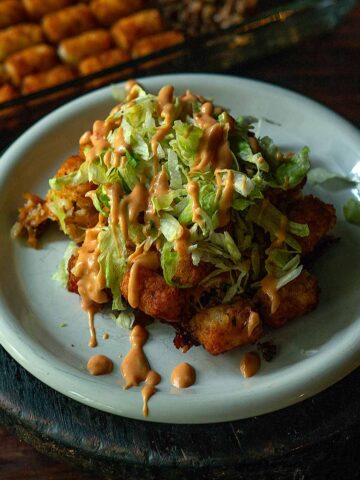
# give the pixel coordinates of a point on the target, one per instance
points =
(276, 26)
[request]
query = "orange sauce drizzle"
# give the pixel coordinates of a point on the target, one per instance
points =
(98, 138)
(253, 322)
(161, 184)
(281, 234)
(137, 201)
(214, 147)
(226, 200)
(268, 285)
(135, 367)
(165, 98)
(120, 143)
(115, 191)
(182, 243)
(149, 389)
(149, 260)
(91, 283)
(193, 190)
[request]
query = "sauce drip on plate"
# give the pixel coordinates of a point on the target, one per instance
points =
(135, 367)
(183, 376)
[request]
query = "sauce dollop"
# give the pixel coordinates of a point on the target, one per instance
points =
(99, 365)
(183, 376)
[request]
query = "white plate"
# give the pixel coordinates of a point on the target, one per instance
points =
(315, 351)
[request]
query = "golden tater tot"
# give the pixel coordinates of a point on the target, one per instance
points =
(225, 327)
(70, 165)
(156, 297)
(157, 42)
(32, 220)
(40, 81)
(68, 22)
(297, 298)
(79, 210)
(11, 12)
(30, 60)
(7, 92)
(188, 274)
(74, 49)
(103, 60)
(128, 30)
(319, 216)
(18, 37)
(4, 78)
(37, 8)
(107, 11)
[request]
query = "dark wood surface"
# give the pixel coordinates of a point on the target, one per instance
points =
(326, 69)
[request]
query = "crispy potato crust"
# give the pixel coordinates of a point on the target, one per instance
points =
(320, 217)
(72, 280)
(189, 274)
(297, 298)
(225, 327)
(80, 211)
(281, 198)
(70, 165)
(157, 298)
(32, 220)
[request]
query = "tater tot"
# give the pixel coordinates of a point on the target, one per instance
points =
(7, 92)
(156, 297)
(3, 75)
(30, 60)
(11, 12)
(127, 31)
(38, 8)
(187, 273)
(74, 49)
(103, 60)
(107, 11)
(40, 81)
(319, 216)
(68, 22)
(18, 37)
(32, 220)
(157, 42)
(78, 209)
(225, 327)
(296, 298)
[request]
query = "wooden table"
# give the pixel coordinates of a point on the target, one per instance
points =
(326, 69)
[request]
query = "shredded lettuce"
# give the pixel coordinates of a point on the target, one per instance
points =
(169, 261)
(57, 206)
(170, 227)
(186, 142)
(173, 166)
(288, 277)
(269, 218)
(291, 172)
(352, 211)
(113, 261)
(320, 175)
(124, 319)
(100, 199)
(62, 275)
(88, 172)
